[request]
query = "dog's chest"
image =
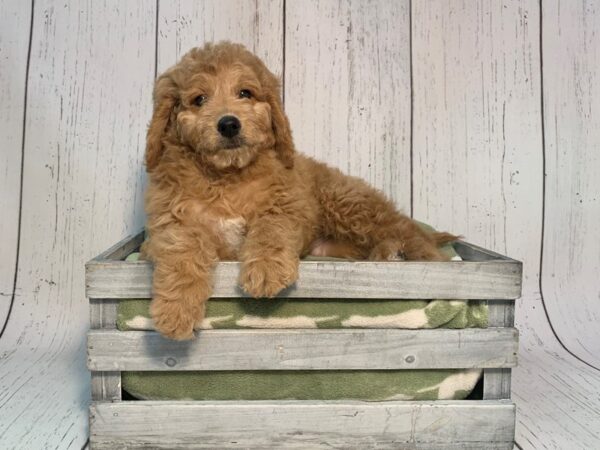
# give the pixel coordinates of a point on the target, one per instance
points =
(231, 232)
(227, 209)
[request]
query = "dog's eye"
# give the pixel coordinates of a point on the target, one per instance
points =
(245, 93)
(198, 101)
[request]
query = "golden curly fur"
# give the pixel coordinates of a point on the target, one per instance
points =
(249, 196)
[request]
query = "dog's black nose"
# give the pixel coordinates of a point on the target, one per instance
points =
(229, 126)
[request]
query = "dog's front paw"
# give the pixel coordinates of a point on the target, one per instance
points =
(175, 319)
(268, 276)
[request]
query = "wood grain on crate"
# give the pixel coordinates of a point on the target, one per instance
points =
(303, 424)
(103, 315)
(496, 382)
(494, 279)
(304, 349)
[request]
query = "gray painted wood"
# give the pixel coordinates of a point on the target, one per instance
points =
(88, 103)
(347, 88)
(571, 258)
(103, 315)
(108, 277)
(342, 424)
(408, 280)
(501, 313)
(121, 249)
(106, 386)
(14, 40)
(304, 349)
(496, 382)
(471, 252)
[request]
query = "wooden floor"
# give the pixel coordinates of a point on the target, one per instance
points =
(557, 395)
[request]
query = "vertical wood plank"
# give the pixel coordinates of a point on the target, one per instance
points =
(106, 386)
(103, 315)
(477, 126)
(571, 258)
(347, 88)
(14, 42)
(89, 100)
(497, 382)
(184, 24)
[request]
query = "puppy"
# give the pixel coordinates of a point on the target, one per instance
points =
(225, 182)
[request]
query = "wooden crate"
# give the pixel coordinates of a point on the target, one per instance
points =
(460, 424)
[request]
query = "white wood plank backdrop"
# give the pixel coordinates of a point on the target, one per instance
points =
(455, 109)
(90, 72)
(347, 88)
(14, 41)
(571, 258)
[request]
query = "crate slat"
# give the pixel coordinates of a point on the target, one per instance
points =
(122, 248)
(103, 315)
(305, 349)
(303, 424)
(472, 252)
(333, 279)
(496, 382)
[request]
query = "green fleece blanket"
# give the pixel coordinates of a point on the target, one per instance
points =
(321, 385)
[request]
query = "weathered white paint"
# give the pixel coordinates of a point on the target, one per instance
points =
(14, 41)
(571, 262)
(347, 88)
(333, 279)
(184, 24)
(88, 102)
(477, 129)
(496, 382)
(105, 385)
(323, 349)
(460, 424)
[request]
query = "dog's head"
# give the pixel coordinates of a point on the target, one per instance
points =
(223, 104)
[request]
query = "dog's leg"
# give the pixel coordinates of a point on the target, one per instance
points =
(270, 254)
(355, 212)
(183, 263)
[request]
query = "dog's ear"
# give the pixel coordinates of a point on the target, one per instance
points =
(284, 145)
(165, 99)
